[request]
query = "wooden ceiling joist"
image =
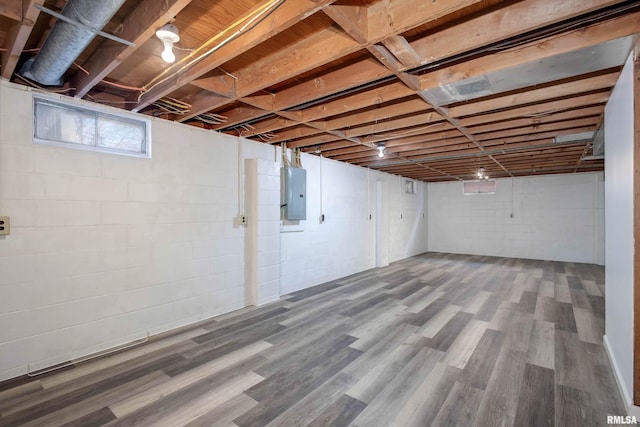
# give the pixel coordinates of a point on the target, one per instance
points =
(18, 35)
(338, 77)
(535, 51)
(12, 9)
(139, 27)
(286, 15)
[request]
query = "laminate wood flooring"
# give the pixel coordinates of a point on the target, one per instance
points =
(433, 340)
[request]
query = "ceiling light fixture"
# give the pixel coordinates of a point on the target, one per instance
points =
(168, 35)
(381, 149)
(482, 174)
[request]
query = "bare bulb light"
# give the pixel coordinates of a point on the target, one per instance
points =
(168, 35)
(167, 53)
(381, 150)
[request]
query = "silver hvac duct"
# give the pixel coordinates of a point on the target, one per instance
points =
(67, 41)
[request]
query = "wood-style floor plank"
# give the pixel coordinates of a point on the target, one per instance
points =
(536, 405)
(437, 339)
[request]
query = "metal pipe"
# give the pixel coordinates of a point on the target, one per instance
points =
(66, 41)
(81, 25)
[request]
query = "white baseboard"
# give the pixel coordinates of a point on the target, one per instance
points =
(632, 409)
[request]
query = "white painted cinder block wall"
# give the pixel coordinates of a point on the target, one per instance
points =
(346, 241)
(555, 217)
(619, 226)
(106, 249)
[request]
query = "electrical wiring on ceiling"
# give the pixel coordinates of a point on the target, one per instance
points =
(211, 118)
(194, 57)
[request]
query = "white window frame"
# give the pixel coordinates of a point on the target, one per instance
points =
(98, 112)
(479, 193)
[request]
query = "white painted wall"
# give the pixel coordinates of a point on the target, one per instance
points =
(555, 217)
(345, 243)
(262, 234)
(105, 249)
(619, 229)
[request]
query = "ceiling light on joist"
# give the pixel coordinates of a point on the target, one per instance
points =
(482, 174)
(380, 149)
(168, 35)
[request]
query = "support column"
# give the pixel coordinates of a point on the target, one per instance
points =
(262, 234)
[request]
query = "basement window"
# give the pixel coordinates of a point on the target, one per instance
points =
(479, 187)
(67, 124)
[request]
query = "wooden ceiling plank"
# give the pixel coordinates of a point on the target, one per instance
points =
(388, 92)
(514, 19)
(316, 140)
(426, 119)
(285, 16)
(312, 52)
(591, 121)
(403, 51)
(293, 133)
(551, 46)
(12, 9)
(516, 123)
(384, 55)
(17, 35)
(359, 73)
(379, 113)
(353, 19)
(269, 125)
(138, 27)
(347, 77)
(538, 109)
(323, 47)
(390, 17)
(529, 95)
(499, 138)
(320, 147)
(240, 114)
(220, 84)
(439, 130)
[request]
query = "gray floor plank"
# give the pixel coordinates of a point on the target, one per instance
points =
(536, 405)
(436, 339)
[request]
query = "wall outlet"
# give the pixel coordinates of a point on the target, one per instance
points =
(4, 226)
(243, 219)
(321, 218)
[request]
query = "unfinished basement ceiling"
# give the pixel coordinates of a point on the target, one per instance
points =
(448, 86)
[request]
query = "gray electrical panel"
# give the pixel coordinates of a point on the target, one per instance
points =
(294, 193)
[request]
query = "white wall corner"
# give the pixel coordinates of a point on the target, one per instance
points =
(632, 409)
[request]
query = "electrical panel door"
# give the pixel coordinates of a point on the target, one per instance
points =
(294, 193)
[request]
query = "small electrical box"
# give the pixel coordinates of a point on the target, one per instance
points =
(4, 226)
(294, 193)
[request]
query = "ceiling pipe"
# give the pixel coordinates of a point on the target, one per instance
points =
(67, 41)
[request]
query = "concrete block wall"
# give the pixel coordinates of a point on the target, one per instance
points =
(105, 249)
(345, 242)
(262, 234)
(555, 217)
